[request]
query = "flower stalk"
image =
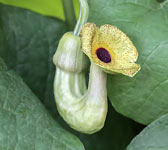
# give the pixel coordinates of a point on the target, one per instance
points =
(69, 13)
(83, 16)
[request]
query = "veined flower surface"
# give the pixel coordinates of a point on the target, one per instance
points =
(110, 48)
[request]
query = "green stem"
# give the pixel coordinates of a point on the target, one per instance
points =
(83, 16)
(69, 13)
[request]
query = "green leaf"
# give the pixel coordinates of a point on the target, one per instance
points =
(144, 97)
(27, 44)
(25, 123)
(153, 137)
(44, 7)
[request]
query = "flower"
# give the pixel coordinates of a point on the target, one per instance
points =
(110, 48)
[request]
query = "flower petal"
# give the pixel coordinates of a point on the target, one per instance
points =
(110, 48)
(87, 34)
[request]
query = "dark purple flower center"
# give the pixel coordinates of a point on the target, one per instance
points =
(103, 55)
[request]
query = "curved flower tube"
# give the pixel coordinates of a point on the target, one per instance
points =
(84, 110)
(109, 50)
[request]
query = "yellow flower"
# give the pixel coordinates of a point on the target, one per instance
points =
(109, 48)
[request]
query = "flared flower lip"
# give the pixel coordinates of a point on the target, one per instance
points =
(117, 54)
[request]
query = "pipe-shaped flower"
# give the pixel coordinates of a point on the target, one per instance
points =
(109, 48)
(83, 109)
